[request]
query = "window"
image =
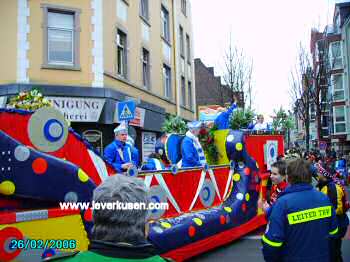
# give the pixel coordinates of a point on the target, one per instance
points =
(337, 23)
(60, 32)
(338, 89)
(122, 10)
(312, 112)
(339, 119)
(144, 9)
(188, 45)
(61, 37)
(145, 68)
(183, 91)
(335, 55)
(182, 47)
(121, 54)
(189, 86)
(324, 121)
(167, 81)
(165, 24)
(183, 6)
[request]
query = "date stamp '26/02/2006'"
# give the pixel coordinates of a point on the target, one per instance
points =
(43, 244)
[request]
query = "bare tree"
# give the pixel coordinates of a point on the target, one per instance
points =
(300, 91)
(238, 70)
(319, 79)
(312, 89)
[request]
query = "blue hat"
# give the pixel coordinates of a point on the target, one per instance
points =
(194, 125)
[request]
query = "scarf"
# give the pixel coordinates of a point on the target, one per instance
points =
(198, 147)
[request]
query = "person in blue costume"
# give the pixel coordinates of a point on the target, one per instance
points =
(135, 156)
(154, 162)
(118, 152)
(191, 149)
(223, 120)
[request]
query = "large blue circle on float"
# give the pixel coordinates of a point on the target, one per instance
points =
(53, 130)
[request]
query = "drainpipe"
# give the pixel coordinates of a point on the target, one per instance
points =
(176, 62)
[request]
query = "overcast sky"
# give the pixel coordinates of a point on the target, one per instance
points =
(268, 31)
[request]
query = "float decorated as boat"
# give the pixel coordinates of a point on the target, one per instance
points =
(44, 162)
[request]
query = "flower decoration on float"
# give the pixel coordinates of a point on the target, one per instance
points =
(206, 138)
(29, 100)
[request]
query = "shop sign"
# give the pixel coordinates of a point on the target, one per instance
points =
(139, 119)
(94, 137)
(148, 144)
(78, 109)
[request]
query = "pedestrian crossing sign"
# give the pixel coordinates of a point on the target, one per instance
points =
(126, 110)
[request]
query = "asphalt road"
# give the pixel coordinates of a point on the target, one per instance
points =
(249, 249)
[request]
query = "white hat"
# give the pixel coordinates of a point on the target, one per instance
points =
(122, 128)
(194, 125)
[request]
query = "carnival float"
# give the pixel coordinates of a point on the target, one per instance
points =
(44, 162)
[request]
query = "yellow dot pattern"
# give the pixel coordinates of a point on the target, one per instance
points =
(228, 209)
(83, 177)
(165, 225)
(198, 221)
(236, 177)
(7, 188)
(247, 197)
(239, 146)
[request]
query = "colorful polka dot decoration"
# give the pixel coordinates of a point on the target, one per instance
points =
(165, 225)
(244, 207)
(7, 253)
(198, 221)
(33, 174)
(191, 231)
(83, 177)
(236, 177)
(240, 196)
(88, 215)
(47, 129)
(239, 146)
(39, 166)
(222, 220)
(228, 209)
(7, 188)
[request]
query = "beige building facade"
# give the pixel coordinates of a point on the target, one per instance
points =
(102, 49)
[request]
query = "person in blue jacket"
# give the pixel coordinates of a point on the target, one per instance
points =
(302, 221)
(223, 120)
(118, 152)
(191, 149)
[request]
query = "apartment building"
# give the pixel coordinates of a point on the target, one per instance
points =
(338, 78)
(87, 55)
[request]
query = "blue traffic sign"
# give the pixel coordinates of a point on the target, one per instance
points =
(126, 110)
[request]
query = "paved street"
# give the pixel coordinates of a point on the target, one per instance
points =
(249, 249)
